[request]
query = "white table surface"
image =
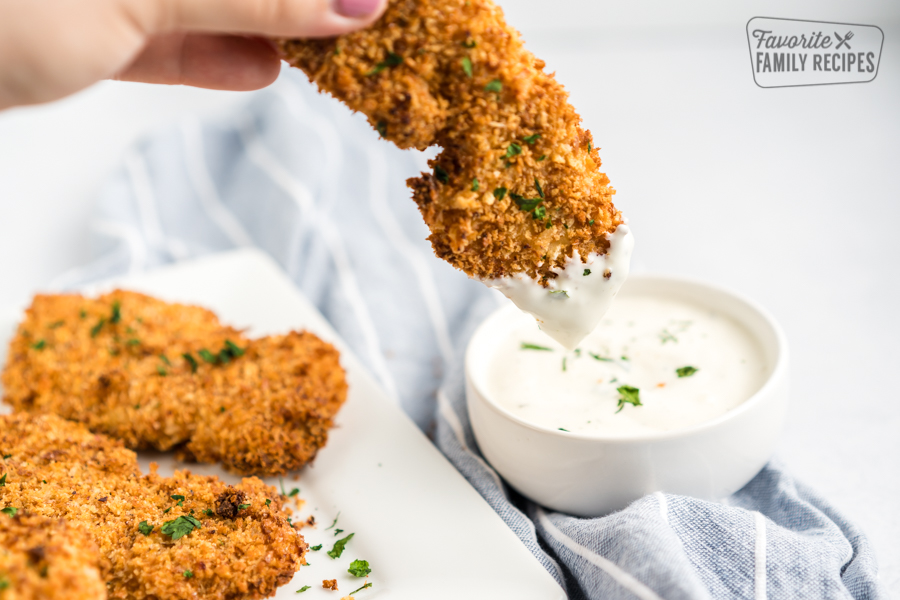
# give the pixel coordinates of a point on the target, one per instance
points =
(791, 196)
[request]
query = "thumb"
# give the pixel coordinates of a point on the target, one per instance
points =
(276, 18)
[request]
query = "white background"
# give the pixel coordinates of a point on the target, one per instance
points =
(791, 196)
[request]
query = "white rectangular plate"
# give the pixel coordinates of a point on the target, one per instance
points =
(424, 530)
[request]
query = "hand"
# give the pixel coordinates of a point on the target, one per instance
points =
(52, 48)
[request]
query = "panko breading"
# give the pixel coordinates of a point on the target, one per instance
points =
(158, 537)
(517, 188)
(43, 558)
(133, 367)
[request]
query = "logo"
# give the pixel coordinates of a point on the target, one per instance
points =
(791, 52)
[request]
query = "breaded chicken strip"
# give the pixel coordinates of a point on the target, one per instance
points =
(43, 558)
(163, 376)
(185, 536)
(517, 188)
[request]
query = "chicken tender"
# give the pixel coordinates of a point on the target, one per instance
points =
(517, 188)
(43, 558)
(167, 376)
(150, 537)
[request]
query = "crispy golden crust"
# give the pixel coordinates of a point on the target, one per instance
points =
(409, 74)
(42, 558)
(267, 411)
(57, 469)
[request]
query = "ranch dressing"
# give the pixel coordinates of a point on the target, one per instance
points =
(644, 342)
(579, 296)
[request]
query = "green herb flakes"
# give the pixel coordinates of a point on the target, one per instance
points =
(161, 371)
(542, 158)
(316, 548)
(587, 272)
(475, 184)
(564, 364)
(207, 356)
(116, 314)
(540, 212)
(188, 574)
(564, 293)
(528, 346)
(82, 313)
(268, 502)
(537, 185)
(359, 568)
(3, 479)
(392, 60)
(334, 522)
(179, 498)
(180, 527)
(243, 506)
(296, 491)
(686, 371)
(495, 85)
(133, 342)
(163, 358)
(513, 150)
(526, 204)
(145, 528)
(10, 511)
(628, 395)
(666, 336)
(467, 66)
(303, 589)
(499, 193)
(590, 147)
(4, 582)
(381, 128)
(591, 222)
(600, 358)
(469, 43)
(566, 430)
(39, 345)
(531, 139)
(191, 361)
(441, 174)
(208, 512)
(338, 532)
(5, 456)
(338, 548)
(368, 585)
(56, 324)
(95, 330)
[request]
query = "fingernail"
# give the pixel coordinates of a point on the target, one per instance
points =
(357, 8)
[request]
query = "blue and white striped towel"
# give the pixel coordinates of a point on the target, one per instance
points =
(297, 175)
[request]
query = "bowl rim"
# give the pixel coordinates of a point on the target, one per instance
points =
(779, 373)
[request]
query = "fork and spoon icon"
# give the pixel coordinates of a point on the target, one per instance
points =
(843, 41)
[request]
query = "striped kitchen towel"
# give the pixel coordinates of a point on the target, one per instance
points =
(297, 175)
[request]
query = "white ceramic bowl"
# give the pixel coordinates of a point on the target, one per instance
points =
(590, 475)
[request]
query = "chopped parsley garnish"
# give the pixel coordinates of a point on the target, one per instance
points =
(441, 174)
(3, 479)
(499, 193)
(513, 150)
(56, 324)
(543, 157)
(161, 371)
(537, 185)
(5, 456)
(467, 66)
(392, 60)
(600, 358)
(368, 585)
(316, 548)
(268, 502)
(666, 336)
(178, 497)
(495, 85)
(296, 491)
(116, 314)
(191, 361)
(243, 506)
(591, 222)
(475, 184)
(180, 527)
(564, 364)
(338, 548)
(188, 574)
(563, 292)
(526, 204)
(4, 582)
(381, 128)
(566, 430)
(359, 568)
(625, 357)
(589, 146)
(145, 528)
(208, 512)
(539, 213)
(628, 395)
(587, 272)
(82, 313)
(10, 511)
(469, 43)
(338, 532)
(39, 345)
(686, 371)
(134, 342)
(233, 350)
(303, 589)
(163, 358)
(207, 355)
(334, 522)
(96, 328)
(531, 139)
(527, 346)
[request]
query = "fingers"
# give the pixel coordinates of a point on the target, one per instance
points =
(277, 18)
(221, 62)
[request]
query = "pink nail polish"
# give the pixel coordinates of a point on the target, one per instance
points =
(357, 8)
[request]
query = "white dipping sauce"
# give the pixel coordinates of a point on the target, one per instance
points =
(579, 296)
(642, 341)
